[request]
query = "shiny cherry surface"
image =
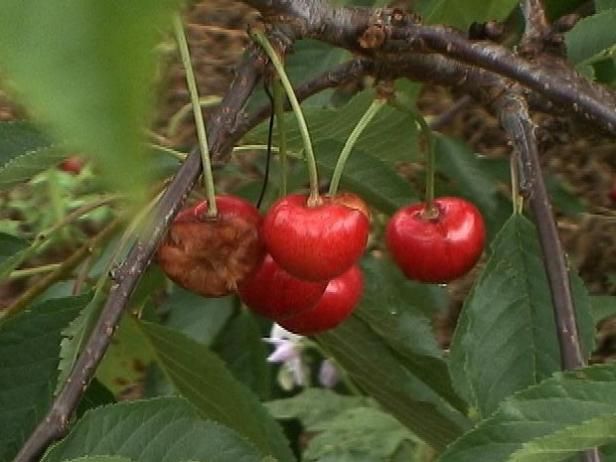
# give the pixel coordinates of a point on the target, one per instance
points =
(272, 292)
(317, 243)
(337, 303)
(437, 249)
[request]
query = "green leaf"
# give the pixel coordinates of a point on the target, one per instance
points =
(29, 348)
(101, 459)
(372, 365)
(240, 345)
(391, 136)
(601, 5)
(472, 180)
(391, 307)
(84, 71)
(362, 432)
(592, 39)
(96, 395)
(9, 246)
(157, 430)
(314, 405)
(202, 378)
(126, 360)
(602, 307)
(463, 14)
(199, 318)
(368, 176)
(75, 335)
(508, 315)
(548, 422)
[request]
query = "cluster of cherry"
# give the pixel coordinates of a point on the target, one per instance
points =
(298, 265)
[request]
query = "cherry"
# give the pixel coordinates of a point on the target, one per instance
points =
(438, 248)
(72, 164)
(317, 243)
(211, 256)
(272, 292)
(337, 303)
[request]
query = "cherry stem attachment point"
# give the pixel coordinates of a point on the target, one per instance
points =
(282, 136)
(262, 40)
(208, 177)
(372, 111)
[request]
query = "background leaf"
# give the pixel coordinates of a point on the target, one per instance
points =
(593, 38)
(83, 71)
(548, 422)
(29, 348)
(462, 14)
(203, 379)
(508, 315)
(157, 430)
(9, 246)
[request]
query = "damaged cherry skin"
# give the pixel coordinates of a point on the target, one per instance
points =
(211, 256)
(273, 293)
(436, 249)
(317, 243)
(337, 303)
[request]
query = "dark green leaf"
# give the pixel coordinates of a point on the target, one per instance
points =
(368, 176)
(9, 246)
(391, 307)
(472, 180)
(100, 459)
(29, 349)
(199, 318)
(391, 136)
(601, 5)
(75, 69)
(548, 422)
(202, 378)
(241, 347)
(96, 395)
(157, 430)
(372, 365)
(362, 432)
(314, 405)
(509, 316)
(592, 39)
(463, 14)
(602, 307)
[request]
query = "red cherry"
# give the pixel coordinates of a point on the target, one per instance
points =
(72, 164)
(272, 292)
(211, 256)
(337, 303)
(316, 243)
(437, 249)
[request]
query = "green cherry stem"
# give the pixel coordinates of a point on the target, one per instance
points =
(516, 198)
(262, 40)
(373, 109)
(208, 177)
(282, 136)
(430, 155)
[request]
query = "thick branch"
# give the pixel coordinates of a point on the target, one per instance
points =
(388, 36)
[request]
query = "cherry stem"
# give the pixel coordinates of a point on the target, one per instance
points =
(430, 155)
(373, 110)
(262, 40)
(516, 198)
(208, 177)
(282, 136)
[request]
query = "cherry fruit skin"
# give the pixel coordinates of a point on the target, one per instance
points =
(72, 164)
(273, 293)
(439, 249)
(337, 303)
(212, 256)
(317, 243)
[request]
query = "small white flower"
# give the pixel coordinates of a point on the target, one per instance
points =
(288, 352)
